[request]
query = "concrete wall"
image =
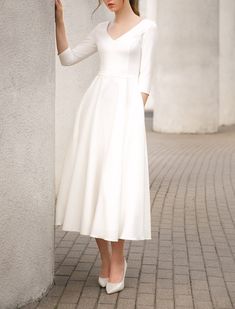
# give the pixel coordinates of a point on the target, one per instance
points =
(227, 62)
(27, 150)
(187, 82)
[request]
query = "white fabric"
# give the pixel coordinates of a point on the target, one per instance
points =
(104, 187)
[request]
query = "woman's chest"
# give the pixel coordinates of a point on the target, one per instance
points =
(126, 45)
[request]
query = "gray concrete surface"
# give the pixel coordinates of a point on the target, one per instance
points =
(227, 62)
(187, 85)
(27, 150)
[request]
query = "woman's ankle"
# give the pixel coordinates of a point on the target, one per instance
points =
(118, 259)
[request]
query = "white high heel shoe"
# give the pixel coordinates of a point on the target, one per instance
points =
(112, 287)
(103, 281)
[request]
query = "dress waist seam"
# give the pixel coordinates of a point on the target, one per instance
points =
(121, 75)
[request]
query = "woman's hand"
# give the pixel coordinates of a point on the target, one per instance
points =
(59, 11)
(144, 97)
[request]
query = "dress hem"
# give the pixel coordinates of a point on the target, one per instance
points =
(105, 238)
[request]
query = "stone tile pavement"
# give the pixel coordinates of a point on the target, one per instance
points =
(190, 261)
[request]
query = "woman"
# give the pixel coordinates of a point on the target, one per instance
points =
(104, 188)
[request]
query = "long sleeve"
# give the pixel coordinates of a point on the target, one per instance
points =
(147, 58)
(82, 50)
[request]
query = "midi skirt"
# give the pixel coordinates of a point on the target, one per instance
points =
(104, 185)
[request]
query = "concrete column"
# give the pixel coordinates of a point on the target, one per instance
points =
(227, 62)
(27, 150)
(187, 81)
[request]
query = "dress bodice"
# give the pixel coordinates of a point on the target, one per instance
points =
(130, 54)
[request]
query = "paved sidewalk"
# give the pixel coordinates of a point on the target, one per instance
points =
(190, 261)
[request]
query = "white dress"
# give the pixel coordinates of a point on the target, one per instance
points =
(104, 187)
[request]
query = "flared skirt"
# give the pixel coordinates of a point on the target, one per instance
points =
(104, 186)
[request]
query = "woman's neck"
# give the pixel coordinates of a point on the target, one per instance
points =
(125, 14)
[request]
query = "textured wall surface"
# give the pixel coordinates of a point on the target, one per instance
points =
(227, 62)
(27, 150)
(187, 85)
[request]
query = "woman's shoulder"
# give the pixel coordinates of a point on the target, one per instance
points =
(96, 28)
(100, 24)
(148, 26)
(149, 23)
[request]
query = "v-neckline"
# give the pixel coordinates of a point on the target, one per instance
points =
(120, 36)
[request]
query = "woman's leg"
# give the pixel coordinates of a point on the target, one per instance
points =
(105, 255)
(117, 261)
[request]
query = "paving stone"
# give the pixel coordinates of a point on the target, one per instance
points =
(106, 306)
(83, 266)
(132, 272)
(164, 304)
(67, 306)
(108, 298)
(70, 297)
(165, 294)
(203, 305)
(65, 270)
(86, 303)
(182, 289)
(199, 284)
(91, 281)
(91, 291)
(61, 280)
(130, 293)
(70, 261)
(164, 283)
(201, 295)
(131, 282)
(79, 275)
(181, 270)
(181, 279)
(184, 301)
(48, 302)
(74, 285)
(125, 303)
(148, 269)
(60, 250)
(165, 273)
(145, 299)
(146, 287)
(147, 278)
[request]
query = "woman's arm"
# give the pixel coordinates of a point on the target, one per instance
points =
(148, 49)
(68, 55)
(61, 39)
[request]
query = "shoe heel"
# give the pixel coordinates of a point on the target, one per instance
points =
(102, 281)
